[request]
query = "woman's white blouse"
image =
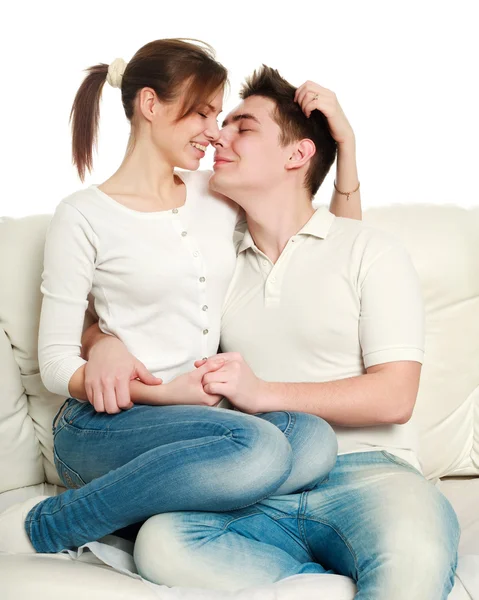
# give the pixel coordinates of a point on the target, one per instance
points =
(158, 280)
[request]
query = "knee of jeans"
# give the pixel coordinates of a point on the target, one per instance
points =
(426, 546)
(165, 546)
(262, 463)
(317, 433)
(316, 440)
(314, 450)
(158, 551)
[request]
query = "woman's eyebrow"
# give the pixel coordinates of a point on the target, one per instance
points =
(214, 109)
(240, 117)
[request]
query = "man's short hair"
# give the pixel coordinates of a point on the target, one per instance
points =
(293, 123)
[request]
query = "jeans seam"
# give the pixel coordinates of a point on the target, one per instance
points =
(136, 429)
(145, 464)
(304, 518)
(300, 523)
(341, 535)
(235, 520)
(291, 423)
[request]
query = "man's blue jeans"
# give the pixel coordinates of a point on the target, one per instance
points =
(124, 468)
(375, 519)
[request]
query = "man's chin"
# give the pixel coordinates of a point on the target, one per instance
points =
(226, 186)
(217, 184)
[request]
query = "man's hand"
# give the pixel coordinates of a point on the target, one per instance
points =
(311, 96)
(108, 373)
(235, 381)
(188, 388)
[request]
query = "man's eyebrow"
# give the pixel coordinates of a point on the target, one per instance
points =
(240, 117)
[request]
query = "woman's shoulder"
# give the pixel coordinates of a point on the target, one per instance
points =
(79, 207)
(80, 199)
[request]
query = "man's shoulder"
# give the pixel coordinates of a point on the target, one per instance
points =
(364, 236)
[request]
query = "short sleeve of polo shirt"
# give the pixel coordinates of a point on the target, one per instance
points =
(391, 325)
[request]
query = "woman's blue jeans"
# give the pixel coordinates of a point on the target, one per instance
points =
(122, 469)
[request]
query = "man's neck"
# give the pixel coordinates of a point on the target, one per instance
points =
(273, 220)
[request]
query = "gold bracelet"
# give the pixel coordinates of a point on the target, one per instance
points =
(346, 193)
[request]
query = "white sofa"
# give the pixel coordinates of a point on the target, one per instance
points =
(444, 244)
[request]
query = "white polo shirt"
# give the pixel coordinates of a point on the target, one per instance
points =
(341, 297)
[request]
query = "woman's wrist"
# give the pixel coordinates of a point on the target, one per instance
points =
(154, 395)
(347, 145)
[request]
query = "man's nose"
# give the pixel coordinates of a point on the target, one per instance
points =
(222, 139)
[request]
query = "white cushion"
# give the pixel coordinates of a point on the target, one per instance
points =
(20, 457)
(444, 245)
(21, 265)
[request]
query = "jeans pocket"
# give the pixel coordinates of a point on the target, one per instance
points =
(68, 477)
(74, 409)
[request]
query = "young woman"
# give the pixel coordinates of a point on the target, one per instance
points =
(154, 248)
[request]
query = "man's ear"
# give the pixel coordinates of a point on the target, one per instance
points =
(301, 153)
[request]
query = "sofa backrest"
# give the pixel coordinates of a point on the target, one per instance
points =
(444, 244)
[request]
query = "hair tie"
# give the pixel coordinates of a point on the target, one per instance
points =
(115, 72)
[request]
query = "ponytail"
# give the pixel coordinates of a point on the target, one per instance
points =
(84, 118)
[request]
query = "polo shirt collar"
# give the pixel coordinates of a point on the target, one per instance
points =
(246, 242)
(318, 226)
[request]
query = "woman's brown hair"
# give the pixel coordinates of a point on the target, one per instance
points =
(167, 66)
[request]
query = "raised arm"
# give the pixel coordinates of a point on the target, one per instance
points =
(346, 198)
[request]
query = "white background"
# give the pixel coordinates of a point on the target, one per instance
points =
(406, 73)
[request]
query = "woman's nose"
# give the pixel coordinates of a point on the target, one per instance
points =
(213, 133)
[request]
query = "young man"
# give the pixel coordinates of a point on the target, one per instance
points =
(324, 315)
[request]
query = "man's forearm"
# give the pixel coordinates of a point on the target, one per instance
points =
(346, 181)
(90, 337)
(361, 401)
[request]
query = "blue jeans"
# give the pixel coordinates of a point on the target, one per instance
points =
(124, 468)
(375, 519)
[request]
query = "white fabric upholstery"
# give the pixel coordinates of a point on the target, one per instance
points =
(444, 244)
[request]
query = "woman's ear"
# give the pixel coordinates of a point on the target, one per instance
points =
(147, 103)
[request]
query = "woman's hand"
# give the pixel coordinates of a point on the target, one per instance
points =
(188, 388)
(108, 373)
(311, 96)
